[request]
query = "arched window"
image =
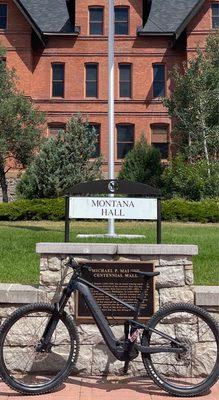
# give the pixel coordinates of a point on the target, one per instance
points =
(159, 138)
(95, 20)
(55, 127)
(125, 80)
(125, 139)
(91, 80)
(121, 20)
(3, 16)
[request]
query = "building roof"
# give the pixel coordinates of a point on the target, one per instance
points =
(47, 16)
(170, 17)
(166, 17)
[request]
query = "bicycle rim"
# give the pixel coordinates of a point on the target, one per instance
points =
(196, 369)
(22, 364)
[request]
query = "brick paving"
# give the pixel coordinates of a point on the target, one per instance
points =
(98, 388)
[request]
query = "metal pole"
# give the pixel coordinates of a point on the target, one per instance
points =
(67, 220)
(158, 221)
(111, 123)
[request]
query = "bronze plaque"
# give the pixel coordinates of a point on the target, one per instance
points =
(119, 280)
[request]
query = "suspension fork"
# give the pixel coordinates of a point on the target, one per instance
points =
(53, 320)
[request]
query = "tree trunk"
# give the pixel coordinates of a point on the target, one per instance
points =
(4, 185)
(205, 145)
(206, 154)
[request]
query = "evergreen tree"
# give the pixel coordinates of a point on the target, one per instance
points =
(20, 125)
(142, 164)
(62, 162)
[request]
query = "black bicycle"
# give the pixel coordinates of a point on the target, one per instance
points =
(39, 343)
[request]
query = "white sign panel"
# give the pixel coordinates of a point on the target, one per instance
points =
(115, 208)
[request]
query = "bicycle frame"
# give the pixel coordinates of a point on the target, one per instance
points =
(117, 347)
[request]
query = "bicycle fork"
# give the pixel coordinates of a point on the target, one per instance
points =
(44, 344)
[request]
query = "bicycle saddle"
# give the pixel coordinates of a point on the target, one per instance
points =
(146, 274)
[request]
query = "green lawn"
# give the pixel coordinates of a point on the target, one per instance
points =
(19, 263)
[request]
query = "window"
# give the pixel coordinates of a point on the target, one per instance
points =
(125, 84)
(96, 152)
(125, 139)
(159, 80)
(215, 15)
(121, 20)
(96, 21)
(159, 139)
(58, 72)
(91, 80)
(55, 128)
(3, 16)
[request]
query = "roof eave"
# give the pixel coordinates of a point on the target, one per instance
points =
(35, 27)
(189, 17)
(142, 33)
(75, 33)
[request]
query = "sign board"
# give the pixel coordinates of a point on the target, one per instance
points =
(115, 208)
(119, 280)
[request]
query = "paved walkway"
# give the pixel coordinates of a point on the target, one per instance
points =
(93, 388)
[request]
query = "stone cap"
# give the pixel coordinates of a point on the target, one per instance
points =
(108, 248)
(19, 294)
(207, 295)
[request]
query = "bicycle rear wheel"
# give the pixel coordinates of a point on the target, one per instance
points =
(27, 370)
(194, 371)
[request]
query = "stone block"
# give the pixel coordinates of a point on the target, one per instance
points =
(207, 295)
(43, 263)
(50, 278)
(104, 362)
(18, 294)
(85, 359)
(183, 294)
(189, 277)
(174, 261)
(54, 263)
(170, 277)
(6, 311)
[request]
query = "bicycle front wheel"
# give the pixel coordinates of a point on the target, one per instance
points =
(22, 366)
(193, 371)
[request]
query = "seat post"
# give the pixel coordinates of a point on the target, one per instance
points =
(140, 298)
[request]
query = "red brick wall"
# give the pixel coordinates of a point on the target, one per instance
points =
(34, 69)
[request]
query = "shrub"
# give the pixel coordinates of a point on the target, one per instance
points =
(43, 209)
(54, 209)
(142, 164)
(62, 162)
(190, 181)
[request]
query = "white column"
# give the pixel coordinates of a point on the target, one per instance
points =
(111, 123)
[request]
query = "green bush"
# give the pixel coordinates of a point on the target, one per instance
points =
(142, 164)
(190, 181)
(43, 209)
(195, 211)
(54, 209)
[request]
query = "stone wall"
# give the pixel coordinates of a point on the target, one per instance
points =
(174, 284)
(12, 182)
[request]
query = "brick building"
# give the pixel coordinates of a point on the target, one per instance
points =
(59, 49)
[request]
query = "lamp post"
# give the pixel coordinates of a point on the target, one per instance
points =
(111, 123)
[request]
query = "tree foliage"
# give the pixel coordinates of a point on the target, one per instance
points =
(194, 104)
(62, 162)
(20, 125)
(190, 180)
(142, 164)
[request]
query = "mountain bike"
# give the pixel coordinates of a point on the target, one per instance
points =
(39, 343)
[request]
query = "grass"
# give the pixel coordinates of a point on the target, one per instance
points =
(19, 263)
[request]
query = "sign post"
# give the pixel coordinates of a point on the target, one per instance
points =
(111, 123)
(147, 206)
